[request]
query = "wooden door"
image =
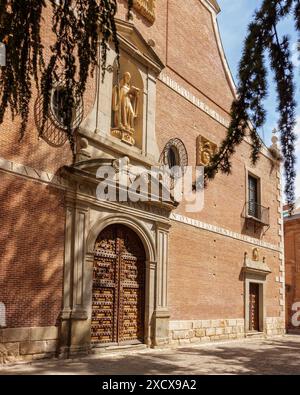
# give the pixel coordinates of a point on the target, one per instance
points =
(118, 287)
(254, 307)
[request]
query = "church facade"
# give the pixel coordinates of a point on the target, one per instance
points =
(81, 273)
(292, 267)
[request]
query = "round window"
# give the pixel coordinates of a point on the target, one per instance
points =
(61, 113)
(53, 130)
(174, 154)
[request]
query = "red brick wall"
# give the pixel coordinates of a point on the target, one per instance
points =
(205, 272)
(176, 117)
(204, 269)
(31, 250)
(292, 265)
(32, 150)
(185, 42)
(32, 218)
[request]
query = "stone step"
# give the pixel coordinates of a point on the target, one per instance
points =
(255, 335)
(118, 349)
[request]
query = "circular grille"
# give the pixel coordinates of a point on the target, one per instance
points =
(54, 131)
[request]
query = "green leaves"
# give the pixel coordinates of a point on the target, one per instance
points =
(261, 44)
(77, 26)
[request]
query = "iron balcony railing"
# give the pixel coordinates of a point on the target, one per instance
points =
(258, 212)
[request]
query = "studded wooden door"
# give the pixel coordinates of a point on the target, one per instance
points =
(254, 307)
(118, 287)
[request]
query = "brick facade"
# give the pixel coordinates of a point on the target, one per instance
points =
(292, 267)
(32, 223)
(207, 250)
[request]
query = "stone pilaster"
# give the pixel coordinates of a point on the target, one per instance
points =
(161, 314)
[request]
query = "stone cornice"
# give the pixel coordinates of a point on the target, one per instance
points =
(212, 4)
(44, 177)
(30, 173)
(178, 88)
(291, 218)
(223, 232)
(189, 96)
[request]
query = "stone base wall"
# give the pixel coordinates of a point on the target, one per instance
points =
(275, 326)
(185, 332)
(21, 344)
(194, 331)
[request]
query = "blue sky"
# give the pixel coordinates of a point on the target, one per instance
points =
(233, 22)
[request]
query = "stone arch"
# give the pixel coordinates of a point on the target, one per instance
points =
(142, 232)
(119, 288)
(78, 279)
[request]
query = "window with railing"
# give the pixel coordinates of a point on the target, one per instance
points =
(253, 196)
(253, 207)
(258, 212)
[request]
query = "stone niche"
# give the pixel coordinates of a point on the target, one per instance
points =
(122, 121)
(128, 103)
(120, 129)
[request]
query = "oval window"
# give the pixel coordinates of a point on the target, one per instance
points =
(173, 157)
(62, 113)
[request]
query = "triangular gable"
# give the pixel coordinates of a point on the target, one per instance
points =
(133, 40)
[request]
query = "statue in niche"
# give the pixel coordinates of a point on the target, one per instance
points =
(125, 103)
(255, 255)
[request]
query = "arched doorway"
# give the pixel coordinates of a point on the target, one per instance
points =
(118, 298)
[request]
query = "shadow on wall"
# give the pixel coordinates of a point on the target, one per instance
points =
(32, 221)
(252, 229)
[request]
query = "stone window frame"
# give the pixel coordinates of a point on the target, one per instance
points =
(257, 175)
(261, 281)
(181, 152)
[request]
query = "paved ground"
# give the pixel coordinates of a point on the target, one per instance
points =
(277, 356)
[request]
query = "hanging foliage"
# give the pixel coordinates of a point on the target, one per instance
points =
(263, 43)
(76, 25)
(74, 54)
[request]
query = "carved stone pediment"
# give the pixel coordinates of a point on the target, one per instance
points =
(133, 42)
(140, 188)
(254, 265)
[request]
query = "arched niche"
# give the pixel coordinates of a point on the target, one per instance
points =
(127, 66)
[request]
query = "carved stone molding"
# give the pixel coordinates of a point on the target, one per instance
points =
(180, 150)
(189, 96)
(8, 353)
(256, 266)
(146, 8)
(224, 232)
(205, 151)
